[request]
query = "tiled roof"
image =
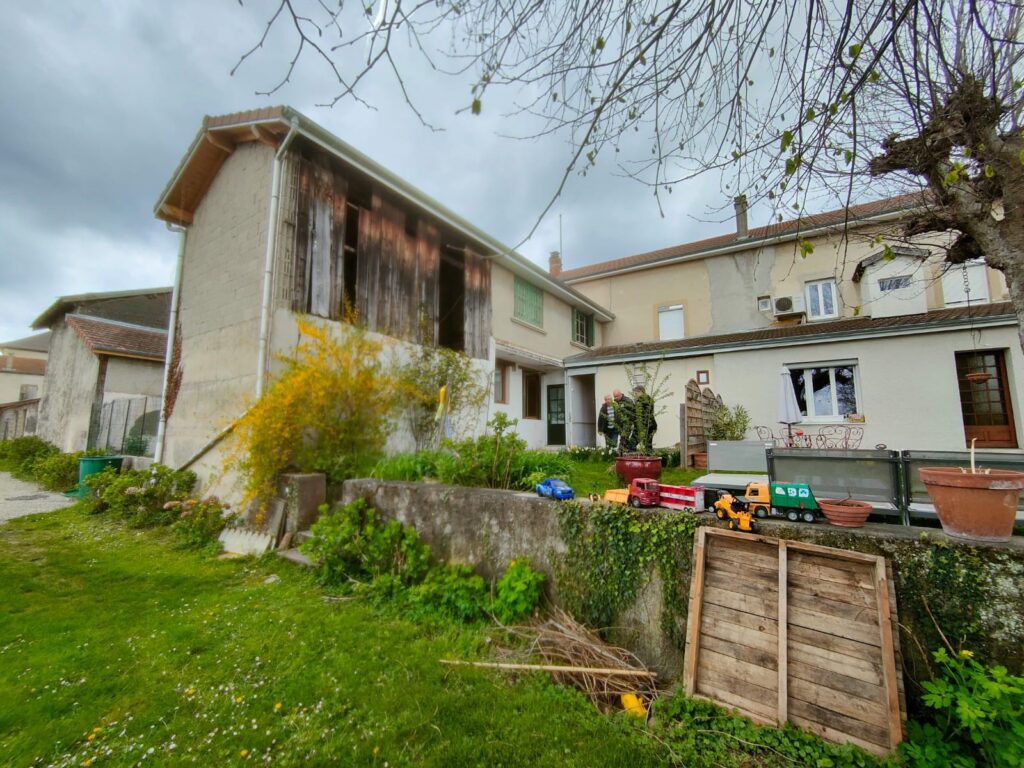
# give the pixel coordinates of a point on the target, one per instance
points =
(824, 331)
(782, 229)
(11, 364)
(116, 338)
(39, 342)
(146, 306)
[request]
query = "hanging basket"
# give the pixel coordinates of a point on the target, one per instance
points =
(978, 377)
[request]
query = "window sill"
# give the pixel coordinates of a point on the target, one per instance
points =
(580, 345)
(531, 326)
(531, 418)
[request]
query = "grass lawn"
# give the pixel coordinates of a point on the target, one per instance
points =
(597, 477)
(116, 648)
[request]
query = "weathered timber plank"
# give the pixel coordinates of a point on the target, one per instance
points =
(836, 680)
(846, 611)
(727, 664)
(852, 630)
(694, 616)
(864, 710)
(766, 554)
(871, 734)
(760, 605)
(742, 619)
(782, 675)
(763, 659)
(895, 729)
(303, 203)
(833, 554)
(734, 633)
(743, 575)
(811, 567)
(736, 692)
(868, 671)
(894, 623)
(830, 590)
(837, 736)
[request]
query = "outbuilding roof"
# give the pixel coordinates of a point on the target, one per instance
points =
(39, 342)
(981, 315)
(29, 365)
(112, 337)
(218, 137)
(154, 313)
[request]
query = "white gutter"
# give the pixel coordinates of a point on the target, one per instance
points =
(171, 337)
(742, 245)
(268, 264)
(797, 341)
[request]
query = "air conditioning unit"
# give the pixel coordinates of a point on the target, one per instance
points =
(788, 305)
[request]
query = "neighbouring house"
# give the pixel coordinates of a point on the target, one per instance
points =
(22, 372)
(280, 218)
(875, 333)
(104, 377)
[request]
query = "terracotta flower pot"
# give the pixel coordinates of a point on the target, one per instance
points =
(848, 513)
(700, 460)
(630, 467)
(974, 506)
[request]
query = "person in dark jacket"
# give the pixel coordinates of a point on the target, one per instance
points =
(645, 423)
(625, 420)
(606, 423)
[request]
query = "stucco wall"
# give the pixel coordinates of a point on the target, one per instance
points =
(11, 384)
(66, 406)
(128, 377)
(220, 295)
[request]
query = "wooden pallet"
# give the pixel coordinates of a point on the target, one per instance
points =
(782, 630)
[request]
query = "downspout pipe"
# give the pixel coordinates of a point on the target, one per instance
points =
(268, 264)
(172, 332)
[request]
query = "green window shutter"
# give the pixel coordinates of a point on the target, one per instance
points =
(529, 303)
(591, 338)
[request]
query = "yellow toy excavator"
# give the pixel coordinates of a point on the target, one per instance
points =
(728, 507)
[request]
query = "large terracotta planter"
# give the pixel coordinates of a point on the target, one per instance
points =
(848, 513)
(974, 506)
(631, 467)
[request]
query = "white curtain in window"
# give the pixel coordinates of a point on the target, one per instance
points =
(670, 322)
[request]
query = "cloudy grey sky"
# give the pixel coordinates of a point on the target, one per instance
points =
(102, 99)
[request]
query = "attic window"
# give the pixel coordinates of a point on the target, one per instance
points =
(886, 284)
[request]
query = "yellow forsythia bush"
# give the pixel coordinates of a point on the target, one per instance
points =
(329, 411)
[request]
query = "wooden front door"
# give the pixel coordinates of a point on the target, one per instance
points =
(985, 402)
(556, 414)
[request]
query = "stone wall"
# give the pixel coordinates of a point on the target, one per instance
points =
(973, 592)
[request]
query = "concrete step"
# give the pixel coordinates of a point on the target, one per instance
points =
(302, 537)
(295, 556)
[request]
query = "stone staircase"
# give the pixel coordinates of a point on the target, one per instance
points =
(285, 522)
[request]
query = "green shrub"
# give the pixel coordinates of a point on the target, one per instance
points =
(58, 471)
(534, 462)
(454, 591)
(19, 456)
(140, 497)
(978, 712)
(407, 466)
(352, 542)
(729, 424)
(517, 593)
(200, 522)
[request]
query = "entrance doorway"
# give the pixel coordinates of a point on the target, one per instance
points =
(985, 399)
(556, 414)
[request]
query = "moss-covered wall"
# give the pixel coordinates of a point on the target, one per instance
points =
(613, 569)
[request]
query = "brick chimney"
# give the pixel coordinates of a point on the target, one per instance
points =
(555, 263)
(740, 204)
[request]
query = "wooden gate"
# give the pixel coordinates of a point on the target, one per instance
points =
(695, 419)
(783, 630)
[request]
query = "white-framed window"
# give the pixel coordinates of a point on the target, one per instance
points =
(822, 300)
(582, 328)
(826, 391)
(953, 290)
(670, 322)
(886, 284)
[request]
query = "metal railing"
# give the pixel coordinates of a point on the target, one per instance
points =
(887, 479)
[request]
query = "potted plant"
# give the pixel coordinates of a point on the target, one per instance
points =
(726, 424)
(847, 513)
(974, 503)
(637, 414)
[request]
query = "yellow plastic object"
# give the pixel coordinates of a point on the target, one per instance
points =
(633, 704)
(617, 495)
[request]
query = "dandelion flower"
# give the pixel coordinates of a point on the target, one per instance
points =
(277, 707)
(244, 753)
(238, 699)
(965, 654)
(190, 692)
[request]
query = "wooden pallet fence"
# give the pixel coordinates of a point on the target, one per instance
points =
(782, 630)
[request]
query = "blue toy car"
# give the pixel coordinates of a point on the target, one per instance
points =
(555, 489)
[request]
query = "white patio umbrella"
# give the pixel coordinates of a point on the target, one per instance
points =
(788, 407)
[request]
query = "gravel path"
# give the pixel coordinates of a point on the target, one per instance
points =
(18, 498)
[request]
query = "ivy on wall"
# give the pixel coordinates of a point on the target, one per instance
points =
(610, 551)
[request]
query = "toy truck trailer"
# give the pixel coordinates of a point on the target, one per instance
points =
(794, 501)
(645, 492)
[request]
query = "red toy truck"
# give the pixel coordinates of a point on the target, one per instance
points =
(645, 492)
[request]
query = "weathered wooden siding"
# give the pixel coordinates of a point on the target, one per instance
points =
(398, 266)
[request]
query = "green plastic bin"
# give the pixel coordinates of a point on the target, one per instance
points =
(90, 465)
